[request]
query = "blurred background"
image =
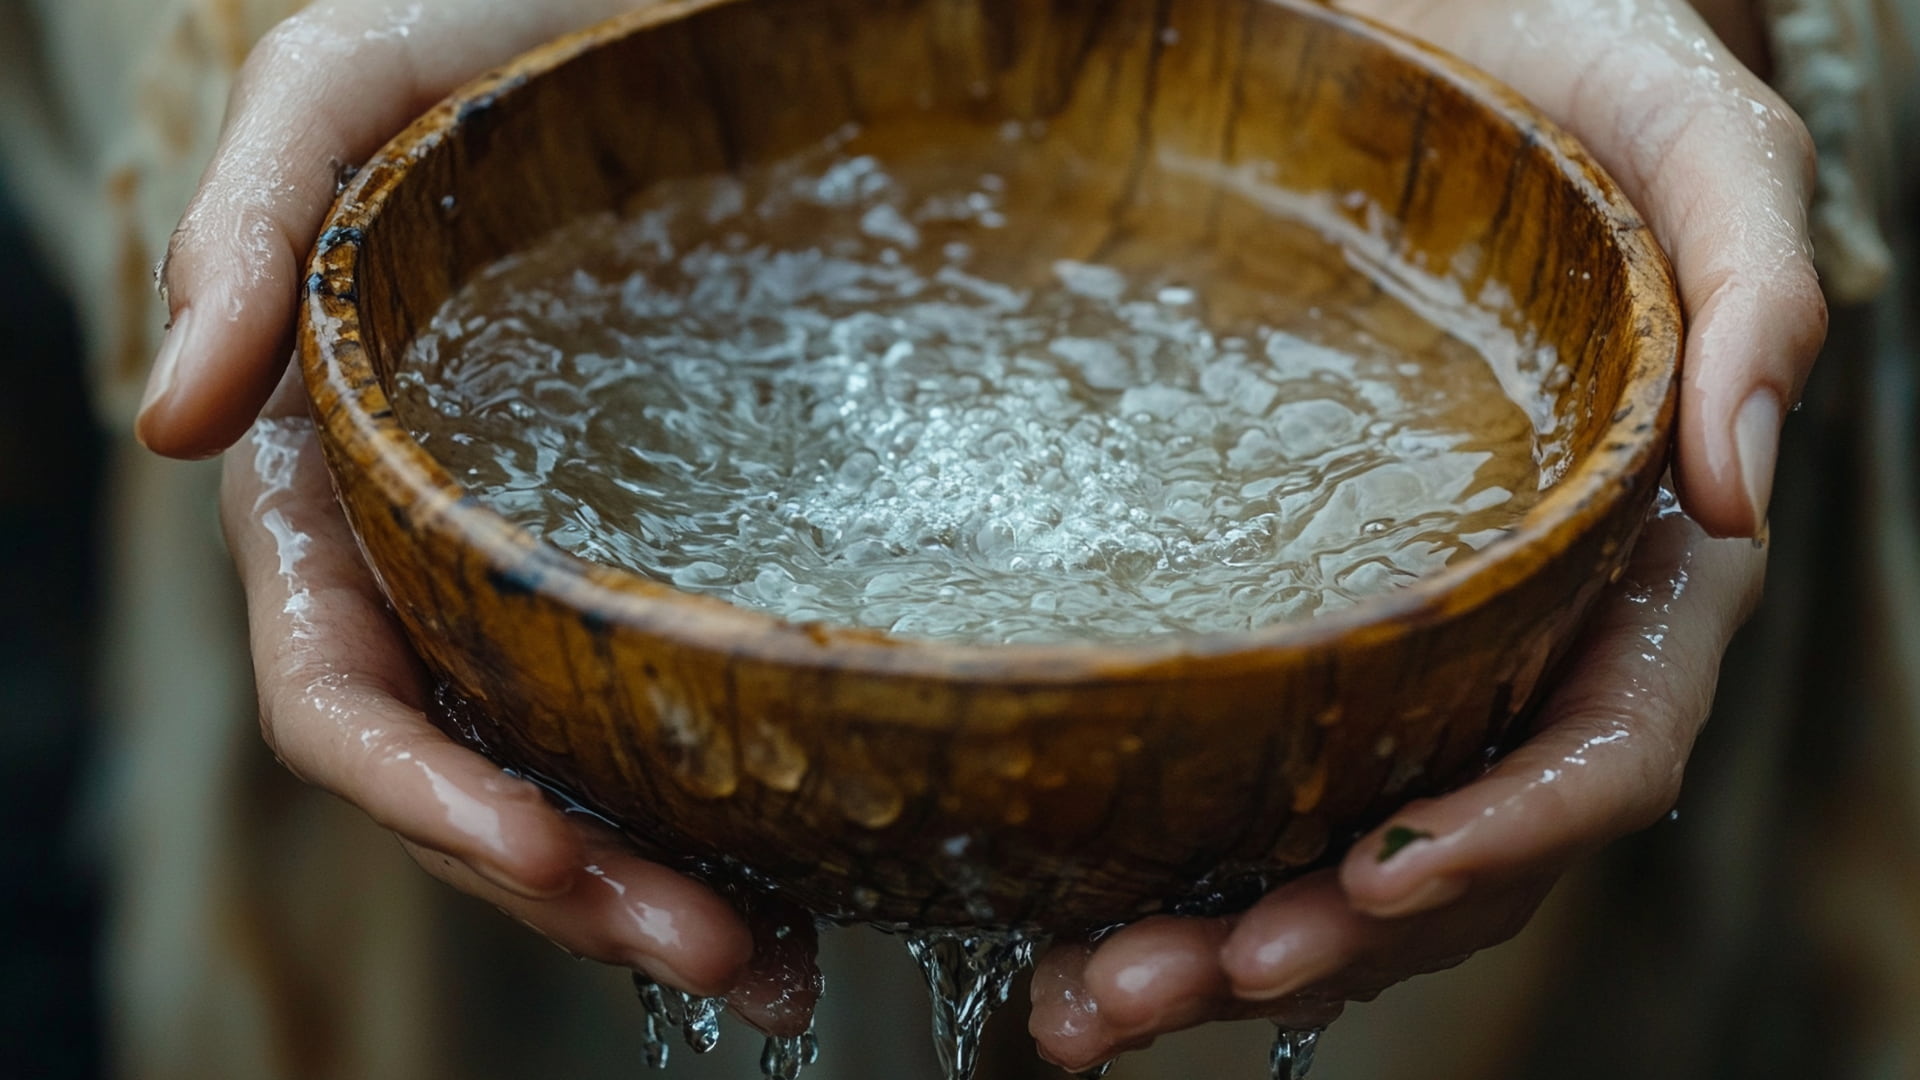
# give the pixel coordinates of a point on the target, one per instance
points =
(172, 904)
(50, 458)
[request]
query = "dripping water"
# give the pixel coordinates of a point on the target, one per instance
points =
(786, 1055)
(1293, 1053)
(969, 974)
(697, 1018)
(1098, 1071)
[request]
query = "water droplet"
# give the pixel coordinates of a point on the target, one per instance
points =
(771, 755)
(653, 1040)
(785, 1055)
(869, 799)
(699, 750)
(1293, 1053)
(1098, 1071)
(969, 973)
(697, 1018)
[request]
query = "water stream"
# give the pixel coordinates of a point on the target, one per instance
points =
(786, 1055)
(1293, 1053)
(969, 974)
(697, 1018)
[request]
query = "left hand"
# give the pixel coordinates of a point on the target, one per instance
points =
(1721, 168)
(1607, 760)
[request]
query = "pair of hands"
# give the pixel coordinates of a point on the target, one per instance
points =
(1718, 164)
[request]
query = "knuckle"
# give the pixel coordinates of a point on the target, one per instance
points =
(1646, 737)
(1791, 132)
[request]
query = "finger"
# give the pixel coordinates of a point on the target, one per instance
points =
(780, 988)
(1065, 1019)
(1722, 169)
(326, 87)
(340, 693)
(1615, 738)
(1158, 975)
(625, 911)
(1306, 943)
(1295, 937)
(1153, 978)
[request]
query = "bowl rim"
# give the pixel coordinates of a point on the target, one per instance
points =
(336, 368)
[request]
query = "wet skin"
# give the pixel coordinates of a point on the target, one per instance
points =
(1713, 158)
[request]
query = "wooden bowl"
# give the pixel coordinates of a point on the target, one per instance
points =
(1059, 787)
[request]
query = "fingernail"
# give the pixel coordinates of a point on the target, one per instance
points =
(1756, 439)
(1435, 892)
(166, 366)
(525, 889)
(1289, 964)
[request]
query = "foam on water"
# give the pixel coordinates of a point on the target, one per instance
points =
(866, 420)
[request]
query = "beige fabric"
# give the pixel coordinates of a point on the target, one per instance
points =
(1824, 62)
(110, 109)
(261, 929)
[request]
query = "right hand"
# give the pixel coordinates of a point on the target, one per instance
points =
(342, 696)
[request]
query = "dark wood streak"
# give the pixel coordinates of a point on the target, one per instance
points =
(724, 109)
(1143, 146)
(1230, 124)
(1076, 69)
(843, 65)
(1519, 157)
(1416, 150)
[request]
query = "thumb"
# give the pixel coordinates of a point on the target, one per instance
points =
(324, 88)
(1721, 168)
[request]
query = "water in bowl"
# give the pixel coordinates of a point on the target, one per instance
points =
(888, 390)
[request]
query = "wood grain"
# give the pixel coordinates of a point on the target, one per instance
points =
(1090, 784)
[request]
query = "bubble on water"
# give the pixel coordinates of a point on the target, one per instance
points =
(969, 974)
(1090, 280)
(885, 222)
